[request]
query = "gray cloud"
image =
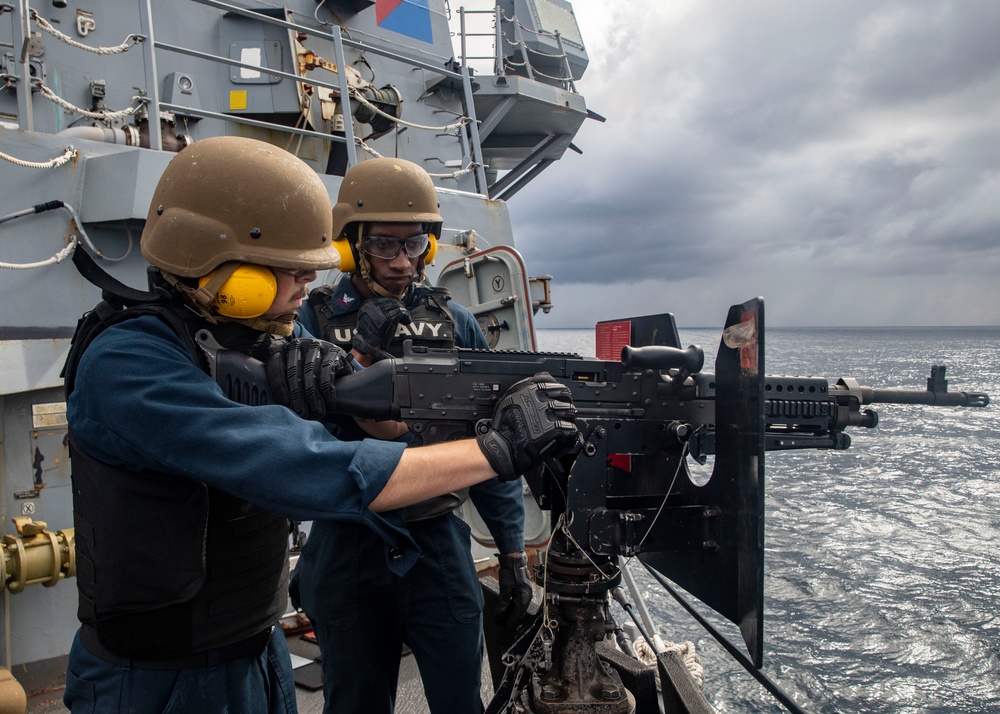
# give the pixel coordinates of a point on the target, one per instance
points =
(842, 159)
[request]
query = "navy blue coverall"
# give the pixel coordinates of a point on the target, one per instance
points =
(363, 611)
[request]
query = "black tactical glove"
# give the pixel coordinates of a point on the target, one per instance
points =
(515, 588)
(534, 420)
(301, 373)
(378, 319)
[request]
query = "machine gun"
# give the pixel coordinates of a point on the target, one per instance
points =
(629, 492)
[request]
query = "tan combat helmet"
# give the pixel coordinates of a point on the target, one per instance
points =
(383, 190)
(228, 198)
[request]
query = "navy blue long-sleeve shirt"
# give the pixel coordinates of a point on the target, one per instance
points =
(141, 402)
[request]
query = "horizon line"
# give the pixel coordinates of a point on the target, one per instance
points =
(798, 327)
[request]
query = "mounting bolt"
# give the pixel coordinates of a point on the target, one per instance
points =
(551, 692)
(610, 692)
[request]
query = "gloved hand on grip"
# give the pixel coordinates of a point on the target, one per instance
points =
(378, 319)
(515, 588)
(533, 420)
(301, 374)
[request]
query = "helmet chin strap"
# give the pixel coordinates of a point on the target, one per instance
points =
(280, 326)
(201, 300)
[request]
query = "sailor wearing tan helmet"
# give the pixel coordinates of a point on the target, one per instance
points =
(181, 494)
(387, 222)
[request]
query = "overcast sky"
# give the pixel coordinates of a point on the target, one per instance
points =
(841, 159)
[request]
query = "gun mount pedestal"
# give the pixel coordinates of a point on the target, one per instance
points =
(578, 682)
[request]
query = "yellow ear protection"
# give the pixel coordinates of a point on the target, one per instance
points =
(432, 249)
(246, 292)
(348, 264)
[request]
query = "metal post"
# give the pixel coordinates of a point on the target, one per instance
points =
(463, 138)
(524, 49)
(152, 79)
(22, 36)
(461, 32)
(477, 148)
(463, 141)
(498, 68)
(345, 96)
(470, 111)
(566, 67)
(640, 605)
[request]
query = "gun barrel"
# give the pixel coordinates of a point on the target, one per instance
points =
(945, 399)
(936, 394)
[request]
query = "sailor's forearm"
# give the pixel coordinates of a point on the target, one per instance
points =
(427, 471)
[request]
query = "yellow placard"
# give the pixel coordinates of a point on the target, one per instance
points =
(237, 99)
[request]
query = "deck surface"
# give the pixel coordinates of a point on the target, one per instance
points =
(409, 697)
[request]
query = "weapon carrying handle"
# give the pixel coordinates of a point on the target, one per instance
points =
(662, 358)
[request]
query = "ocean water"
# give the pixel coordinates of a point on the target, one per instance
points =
(882, 562)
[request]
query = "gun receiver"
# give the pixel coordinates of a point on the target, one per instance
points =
(442, 393)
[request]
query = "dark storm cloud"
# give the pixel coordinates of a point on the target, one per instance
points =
(586, 231)
(772, 146)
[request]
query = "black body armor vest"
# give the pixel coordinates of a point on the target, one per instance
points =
(167, 566)
(432, 322)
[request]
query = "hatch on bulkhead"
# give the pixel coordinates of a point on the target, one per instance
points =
(494, 285)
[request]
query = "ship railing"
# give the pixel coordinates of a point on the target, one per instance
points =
(465, 35)
(504, 65)
(467, 133)
(565, 81)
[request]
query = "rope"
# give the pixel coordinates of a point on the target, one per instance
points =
(532, 50)
(453, 175)
(57, 258)
(549, 76)
(68, 155)
(446, 128)
(685, 650)
(513, 20)
(535, 70)
(103, 115)
(73, 240)
(129, 42)
(360, 142)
